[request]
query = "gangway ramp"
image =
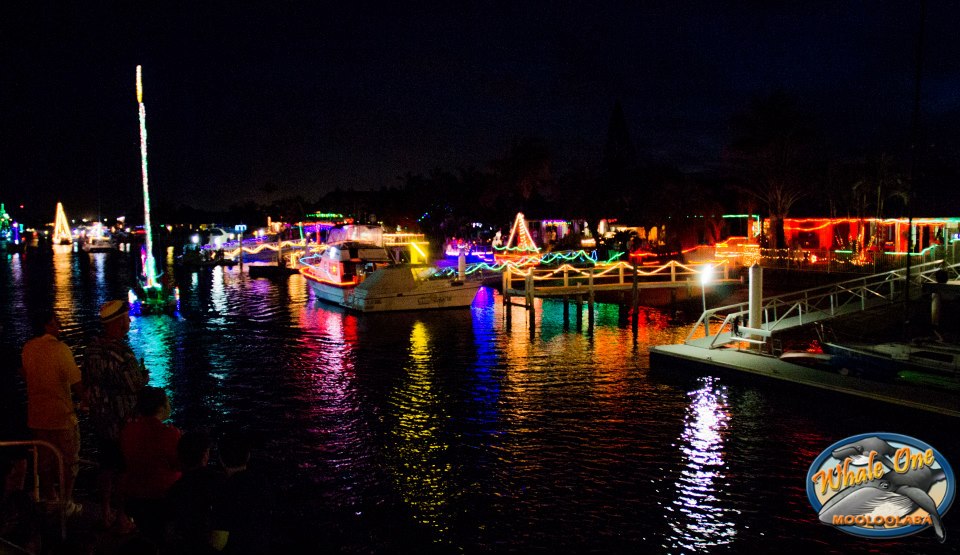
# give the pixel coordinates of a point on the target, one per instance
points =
(788, 311)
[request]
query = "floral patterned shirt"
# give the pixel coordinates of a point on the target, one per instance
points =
(112, 377)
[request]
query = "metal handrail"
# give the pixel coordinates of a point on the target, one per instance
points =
(826, 299)
(33, 444)
(13, 549)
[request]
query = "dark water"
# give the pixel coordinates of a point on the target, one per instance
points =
(447, 432)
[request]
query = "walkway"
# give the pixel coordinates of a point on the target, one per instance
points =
(576, 283)
(753, 363)
(784, 312)
(568, 280)
(714, 350)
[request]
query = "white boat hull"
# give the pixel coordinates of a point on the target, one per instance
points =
(448, 297)
(381, 292)
(98, 246)
(327, 292)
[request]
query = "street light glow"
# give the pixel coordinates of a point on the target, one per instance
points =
(706, 274)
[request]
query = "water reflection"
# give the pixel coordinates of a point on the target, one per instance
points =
(297, 291)
(63, 287)
(486, 387)
(325, 402)
(150, 338)
(13, 295)
(422, 466)
(99, 262)
(218, 295)
(698, 519)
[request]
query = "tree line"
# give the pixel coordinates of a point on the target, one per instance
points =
(778, 162)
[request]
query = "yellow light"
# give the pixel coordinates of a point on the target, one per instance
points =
(419, 250)
(139, 86)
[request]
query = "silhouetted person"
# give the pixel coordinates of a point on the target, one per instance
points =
(150, 462)
(243, 510)
(112, 377)
(192, 497)
(52, 375)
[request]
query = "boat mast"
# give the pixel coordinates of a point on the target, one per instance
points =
(148, 266)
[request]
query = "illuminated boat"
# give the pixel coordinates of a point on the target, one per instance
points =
(411, 287)
(343, 262)
(9, 230)
(474, 252)
(357, 271)
(150, 295)
(61, 228)
(95, 239)
(521, 249)
(205, 248)
(163, 298)
(97, 244)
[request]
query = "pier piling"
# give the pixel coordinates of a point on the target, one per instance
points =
(579, 312)
(590, 305)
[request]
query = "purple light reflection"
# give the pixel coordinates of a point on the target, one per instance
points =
(697, 518)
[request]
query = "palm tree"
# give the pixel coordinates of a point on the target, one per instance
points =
(774, 152)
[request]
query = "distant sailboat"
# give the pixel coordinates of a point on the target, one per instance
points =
(520, 247)
(61, 228)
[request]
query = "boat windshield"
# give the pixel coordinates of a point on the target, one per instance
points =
(368, 234)
(426, 272)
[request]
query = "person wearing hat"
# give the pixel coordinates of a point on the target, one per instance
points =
(112, 377)
(51, 374)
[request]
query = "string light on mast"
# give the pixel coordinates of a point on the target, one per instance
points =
(149, 267)
(61, 228)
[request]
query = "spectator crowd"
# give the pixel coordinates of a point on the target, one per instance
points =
(158, 489)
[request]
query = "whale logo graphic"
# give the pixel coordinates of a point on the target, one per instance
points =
(881, 485)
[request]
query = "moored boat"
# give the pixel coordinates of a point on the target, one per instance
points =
(886, 360)
(97, 243)
(355, 269)
(343, 262)
(810, 359)
(411, 287)
(151, 294)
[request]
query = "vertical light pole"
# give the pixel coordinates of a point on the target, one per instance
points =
(705, 274)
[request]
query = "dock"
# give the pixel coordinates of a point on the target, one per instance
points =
(581, 285)
(753, 363)
(269, 271)
(754, 350)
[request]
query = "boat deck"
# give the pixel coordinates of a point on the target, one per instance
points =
(749, 362)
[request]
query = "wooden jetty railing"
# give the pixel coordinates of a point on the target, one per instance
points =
(577, 283)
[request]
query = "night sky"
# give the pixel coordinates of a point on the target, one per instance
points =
(257, 101)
